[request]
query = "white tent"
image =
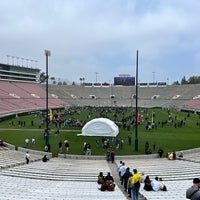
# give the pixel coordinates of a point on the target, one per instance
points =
(100, 127)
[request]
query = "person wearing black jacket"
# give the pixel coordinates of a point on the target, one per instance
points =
(126, 177)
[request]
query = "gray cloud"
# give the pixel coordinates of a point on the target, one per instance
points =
(103, 35)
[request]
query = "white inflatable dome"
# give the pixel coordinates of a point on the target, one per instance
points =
(100, 127)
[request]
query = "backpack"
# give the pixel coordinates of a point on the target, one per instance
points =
(137, 185)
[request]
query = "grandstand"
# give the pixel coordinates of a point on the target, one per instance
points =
(22, 96)
(21, 92)
(18, 97)
(183, 97)
(18, 73)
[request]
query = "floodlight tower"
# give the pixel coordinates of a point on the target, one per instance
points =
(47, 54)
(136, 105)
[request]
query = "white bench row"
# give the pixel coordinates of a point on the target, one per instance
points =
(42, 187)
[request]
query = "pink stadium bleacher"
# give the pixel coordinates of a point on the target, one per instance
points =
(35, 91)
(16, 96)
(192, 104)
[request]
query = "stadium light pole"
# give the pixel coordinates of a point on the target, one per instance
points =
(47, 54)
(136, 105)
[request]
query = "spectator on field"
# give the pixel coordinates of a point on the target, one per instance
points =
(57, 132)
(85, 148)
(97, 143)
(26, 142)
(60, 146)
(89, 149)
(129, 140)
(160, 153)
(33, 141)
(108, 155)
(193, 192)
(66, 142)
(112, 156)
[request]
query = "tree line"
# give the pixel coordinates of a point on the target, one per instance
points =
(191, 80)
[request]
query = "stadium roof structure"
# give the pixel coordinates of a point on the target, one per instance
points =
(100, 127)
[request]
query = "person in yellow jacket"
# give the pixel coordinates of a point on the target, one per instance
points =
(136, 180)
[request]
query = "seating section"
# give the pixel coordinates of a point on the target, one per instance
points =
(191, 104)
(170, 96)
(56, 179)
(67, 178)
(16, 97)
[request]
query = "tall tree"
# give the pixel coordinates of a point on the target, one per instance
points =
(194, 80)
(183, 81)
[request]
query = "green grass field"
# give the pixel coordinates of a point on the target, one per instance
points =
(168, 137)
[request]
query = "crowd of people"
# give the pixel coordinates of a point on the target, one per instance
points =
(130, 181)
(106, 182)
(154, 185)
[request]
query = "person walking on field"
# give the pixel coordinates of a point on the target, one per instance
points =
(112, 156)
(66, 142)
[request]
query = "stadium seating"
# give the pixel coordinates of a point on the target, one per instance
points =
(56, 179)
(17, 97)
(169, 96)
(191, 105)
(75, 178)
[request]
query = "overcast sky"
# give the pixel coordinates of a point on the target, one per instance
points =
(98, 39)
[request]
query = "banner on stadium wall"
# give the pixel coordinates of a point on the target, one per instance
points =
(50, 114)
(138, 117)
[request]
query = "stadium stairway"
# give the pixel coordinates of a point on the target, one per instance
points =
(113, 168)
